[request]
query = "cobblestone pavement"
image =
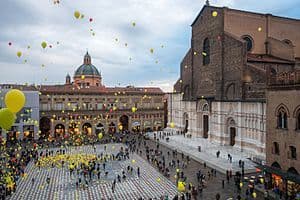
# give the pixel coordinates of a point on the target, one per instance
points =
(62, 186)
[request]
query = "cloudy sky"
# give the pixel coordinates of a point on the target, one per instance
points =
(163, 25)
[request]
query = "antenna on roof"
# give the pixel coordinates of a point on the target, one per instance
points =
(207, 3)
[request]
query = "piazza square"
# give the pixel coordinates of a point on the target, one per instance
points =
(150, 100)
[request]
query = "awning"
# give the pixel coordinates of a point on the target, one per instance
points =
(136, 124)
(284, 175)
(99, 127)
(147, 124)
(157, 123)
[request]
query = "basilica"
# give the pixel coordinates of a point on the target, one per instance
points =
(220, 93)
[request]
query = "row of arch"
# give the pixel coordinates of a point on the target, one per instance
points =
(291, 169)
(60, 129)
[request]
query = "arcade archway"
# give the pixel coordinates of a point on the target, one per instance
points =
(45, 127)
(276, 165)
(87, 129)
(293, 170)
(124, 120)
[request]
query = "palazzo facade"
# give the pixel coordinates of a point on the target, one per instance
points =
(87, 106)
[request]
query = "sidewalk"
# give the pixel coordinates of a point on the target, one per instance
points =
(208, 153)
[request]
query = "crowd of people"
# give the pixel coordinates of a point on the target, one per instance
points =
(14, 160)
(85, 169)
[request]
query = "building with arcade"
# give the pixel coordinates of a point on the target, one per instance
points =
(85, 105)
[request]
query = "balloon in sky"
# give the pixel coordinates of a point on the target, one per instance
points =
(44, 44)
(9, 43)
(214, 13)
(133, 23)
(133, 109)
(151, 50)
(15, 100)
(7, 118)
(76, 14)
(91, 19)
(19, 54)
(172, 125)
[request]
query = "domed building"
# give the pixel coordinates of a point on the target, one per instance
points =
(87, 74)
(85, 106)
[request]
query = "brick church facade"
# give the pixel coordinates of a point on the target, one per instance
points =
(220, 94)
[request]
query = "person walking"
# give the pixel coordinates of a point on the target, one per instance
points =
(138, 171)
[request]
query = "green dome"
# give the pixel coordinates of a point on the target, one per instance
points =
(87, 69)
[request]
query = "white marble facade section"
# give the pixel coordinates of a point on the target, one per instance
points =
(239, 124)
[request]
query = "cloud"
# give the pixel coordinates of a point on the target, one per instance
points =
(159, 22)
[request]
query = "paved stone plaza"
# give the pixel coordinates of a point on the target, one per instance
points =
(208, 153)
(62, 185)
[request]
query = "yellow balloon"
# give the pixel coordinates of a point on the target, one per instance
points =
(7, 118)
(254, 195)
(76, 14)
(15, 100)
(133, 109)
(133, 161)
(19, 54)
(158, 180)
(261, 180)
(44, 44)
(181, 186)
(214, 13)
(100, 136)
(120, 127)
(172, 125)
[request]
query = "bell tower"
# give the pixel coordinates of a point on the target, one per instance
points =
(68, 79)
